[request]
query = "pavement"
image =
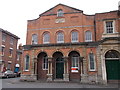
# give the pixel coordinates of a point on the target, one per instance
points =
(16, 83)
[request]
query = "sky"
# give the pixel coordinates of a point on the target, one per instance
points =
(15, 13)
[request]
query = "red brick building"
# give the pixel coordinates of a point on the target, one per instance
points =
(66, 44)
(8, 51)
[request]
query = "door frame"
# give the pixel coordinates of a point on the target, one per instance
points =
(56, 66)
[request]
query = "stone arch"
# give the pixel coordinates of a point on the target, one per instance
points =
(42, 66)
(57, 51)
(71, 51)
(112, 65)
(58, 64)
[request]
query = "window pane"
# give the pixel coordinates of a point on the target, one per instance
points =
(60, 37)
(45, 62)
(27, 63)
(3, 37)
(34, 39)
(109, 27)
(92, 64)
(88, 36)
(74, 36)
(11, 40)
(60, 13)
(75, 61)
(46, 38)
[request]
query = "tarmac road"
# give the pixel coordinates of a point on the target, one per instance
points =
(15, 83)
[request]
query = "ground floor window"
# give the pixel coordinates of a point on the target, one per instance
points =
(91, 62)
(27, 59)
(75, 64)
(45, 63)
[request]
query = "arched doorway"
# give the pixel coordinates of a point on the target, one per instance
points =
(112, 61)
(58, 65)
(74, 63)
(42, 66)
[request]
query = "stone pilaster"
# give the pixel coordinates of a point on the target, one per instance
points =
(66, 73)
(50, 75)
(84, 76)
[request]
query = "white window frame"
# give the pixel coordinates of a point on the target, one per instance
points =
(74, 36)
(2, 50)
(105, 29)
(45, 63)
(90, 62)
(88, 36)
(60, 37)
(25, 68)
(46, 39)
(34, 39)
(11, 52)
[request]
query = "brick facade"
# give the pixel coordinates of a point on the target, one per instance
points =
(73, 20)
(8, 61)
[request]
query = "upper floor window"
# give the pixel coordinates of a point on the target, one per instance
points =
(27, 60)
(2, 50)
(91, 62)
(109, 27)
(60, 13)
(34, 39)
(18, 56)
(11, 52)
(74, 36)
(88, 36)
(46, 37)
(3, 37)
(60, 37)
(11, 40)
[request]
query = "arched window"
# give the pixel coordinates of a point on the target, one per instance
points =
(60, 37)
(74, 36)
(34, 39)
(112, 54)
(88, 36)
(91, 62)
(27, 60)
(46, 37)
(60, 13)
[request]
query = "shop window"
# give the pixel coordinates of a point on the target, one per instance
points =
(60, 37)
(74, 36)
